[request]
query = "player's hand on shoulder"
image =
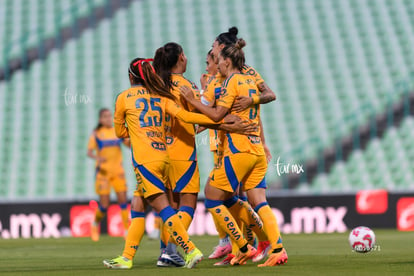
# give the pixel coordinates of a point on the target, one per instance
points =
(187, 93)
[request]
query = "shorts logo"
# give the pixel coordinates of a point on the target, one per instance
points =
(254, 139)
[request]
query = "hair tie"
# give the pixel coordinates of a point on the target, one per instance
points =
(140, 62)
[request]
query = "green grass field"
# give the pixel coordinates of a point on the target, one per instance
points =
(309, 254)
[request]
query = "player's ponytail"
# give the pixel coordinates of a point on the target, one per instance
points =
(228, 38)
(101, 112)
(166, 57)
(235, 53)
(143, 73)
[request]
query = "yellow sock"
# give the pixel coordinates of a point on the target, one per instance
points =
(99, 214)
(135, 233)
(186, 213)
(234, 247)
(270, 225)
(157, 222)
(221, 233)
(124, 215)
(245, 212)
(164, 235)
(179, 234)
(248, 234)
(226, 221)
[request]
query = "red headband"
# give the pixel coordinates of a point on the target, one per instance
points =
(140, 62)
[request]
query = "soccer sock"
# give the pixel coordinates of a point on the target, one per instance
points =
(135, 233)
(221, 233)
(99, 215)
(245, 212)
(164, 236)
(157, 221)
(270, 225)
(124, 214)
(176, 229)
(186, 214)
(248, 234)
(226, 221)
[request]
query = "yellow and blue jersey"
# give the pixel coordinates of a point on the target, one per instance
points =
(145, 116)
(180, 135)
(234, 86)
(107, 146)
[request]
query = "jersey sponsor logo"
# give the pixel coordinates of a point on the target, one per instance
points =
(158, 146)
(157, 134)
(254, 139)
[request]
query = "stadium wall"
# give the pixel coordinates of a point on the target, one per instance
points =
(296, 214)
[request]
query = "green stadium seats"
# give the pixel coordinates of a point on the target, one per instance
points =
(333, 64)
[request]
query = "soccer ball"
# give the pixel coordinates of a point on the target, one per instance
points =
(361, 239)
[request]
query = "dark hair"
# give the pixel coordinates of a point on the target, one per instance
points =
(101, 112)
(143, 73)
(235, 53)
(165, 59)
(229, 37)
(210, 54)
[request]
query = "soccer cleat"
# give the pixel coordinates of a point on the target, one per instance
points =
(167, 259)
(193, 258)
(118, 263)
(94, 232)
(225, 261)
(241, 258)
(262, 250)
(220, 251)
(274, 259)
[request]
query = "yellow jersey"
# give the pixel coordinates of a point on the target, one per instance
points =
(210, 95)
(248, 70)
(141, 116)
(234, 86)
(180, 135)
(107, 146)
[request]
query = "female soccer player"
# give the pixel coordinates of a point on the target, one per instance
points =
(211, 83)
(211, 94)
(244, 152)
(170, 63)
(140, 113)
(105, 148)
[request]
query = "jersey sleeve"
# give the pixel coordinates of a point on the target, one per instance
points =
(228, 93)
(208, 96)
(252, 72)
(119, 117)
(92, 142)
(196, 93)
(189, 117)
